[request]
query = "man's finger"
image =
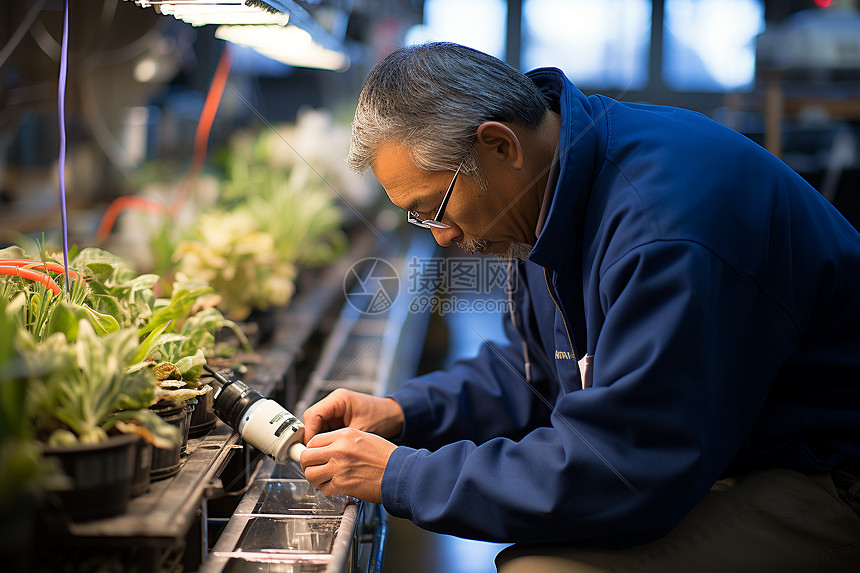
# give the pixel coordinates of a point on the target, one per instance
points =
(323, 439)
(325, 415)
(317, 452)
(317, 475)
(313, 457)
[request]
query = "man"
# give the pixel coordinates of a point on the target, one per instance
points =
(681, 387)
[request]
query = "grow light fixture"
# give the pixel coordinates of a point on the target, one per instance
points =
(289, 45)
(203, 12)
(263, 26)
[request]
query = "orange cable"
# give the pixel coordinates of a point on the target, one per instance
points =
(119, 205)
(204, 126)
(201, 139)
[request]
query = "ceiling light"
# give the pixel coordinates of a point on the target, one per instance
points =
(289, 45)
(202, 12)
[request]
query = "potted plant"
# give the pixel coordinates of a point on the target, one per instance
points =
(238, 261)
(81, 398)
(198, 341)
(271, 219)
(176, 393)
(87, 405)
(22, 466)
(176, 338)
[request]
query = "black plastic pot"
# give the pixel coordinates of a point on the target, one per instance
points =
(165, 461)
(140, 480)
(100, 477)
(17, 533)
(203, 418)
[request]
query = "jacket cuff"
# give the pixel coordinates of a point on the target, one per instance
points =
(418, 419)
(395, 497)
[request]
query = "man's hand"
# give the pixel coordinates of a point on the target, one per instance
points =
(347, 409)
(347, 462)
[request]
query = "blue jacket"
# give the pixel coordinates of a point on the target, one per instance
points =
(691, 310)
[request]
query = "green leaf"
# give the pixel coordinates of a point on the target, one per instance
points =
(146, 346)
(90, 354)
(102, 272)
(64, 320)
(191, 366)
(137, 390)
(102, 323)
(167, 347)
(177, 309)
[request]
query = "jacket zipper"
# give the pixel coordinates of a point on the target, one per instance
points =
(560, 312)
(526, 362)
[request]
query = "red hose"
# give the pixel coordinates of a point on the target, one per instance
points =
(204, 126)
(48, 266)
(32, 275)
(201, 138)
(119, 205)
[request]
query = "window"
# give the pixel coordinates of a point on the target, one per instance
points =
(479, 24)
(601, 44)
(709, 45)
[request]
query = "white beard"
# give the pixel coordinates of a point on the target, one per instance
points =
(516, 251)
(474, 246)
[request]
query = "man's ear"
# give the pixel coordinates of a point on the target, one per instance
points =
(498, 141)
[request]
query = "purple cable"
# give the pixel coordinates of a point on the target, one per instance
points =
(64, 64)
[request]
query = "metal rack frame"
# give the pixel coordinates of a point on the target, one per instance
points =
(365, 352)
(169, 523)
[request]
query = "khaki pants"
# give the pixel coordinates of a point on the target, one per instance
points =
(771, 520)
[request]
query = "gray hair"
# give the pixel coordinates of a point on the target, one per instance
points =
(431, 98)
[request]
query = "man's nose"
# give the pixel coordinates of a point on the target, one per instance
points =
(446, 236)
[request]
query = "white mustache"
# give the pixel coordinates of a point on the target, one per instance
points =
(473, 246)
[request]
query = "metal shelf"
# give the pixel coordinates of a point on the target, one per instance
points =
(295, 504)
(165, 513)
(366, 352)
(158, 528)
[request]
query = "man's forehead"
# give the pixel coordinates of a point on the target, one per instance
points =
(397, 173)
(393, 157)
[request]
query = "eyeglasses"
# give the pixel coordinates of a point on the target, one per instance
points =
(436, 222)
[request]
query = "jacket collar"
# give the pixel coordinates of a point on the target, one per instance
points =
(581, 135)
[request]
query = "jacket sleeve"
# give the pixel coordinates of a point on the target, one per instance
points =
(477, 399)
(682, 365)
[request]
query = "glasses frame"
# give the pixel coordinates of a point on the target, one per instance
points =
(436, 222)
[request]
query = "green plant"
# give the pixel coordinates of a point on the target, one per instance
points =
(102, 290)
(285, 197)
(176, 363)
(179, 334)
(71, 380)
(297, 209)
(32, 285)
(115, 290)
(238, 261)
(21, 462)
(83, 388)
(273, 217)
